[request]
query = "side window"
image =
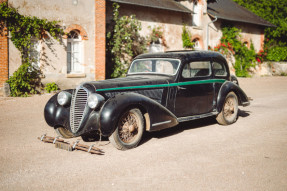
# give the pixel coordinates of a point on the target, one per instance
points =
(196, 69)
(219, 69)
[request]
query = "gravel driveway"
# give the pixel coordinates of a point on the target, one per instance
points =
(199, 155)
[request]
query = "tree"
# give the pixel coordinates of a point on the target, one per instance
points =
(274, 11)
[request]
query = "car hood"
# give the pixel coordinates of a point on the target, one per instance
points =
(129, 82)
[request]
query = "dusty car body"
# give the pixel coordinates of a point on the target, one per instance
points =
(159, 91)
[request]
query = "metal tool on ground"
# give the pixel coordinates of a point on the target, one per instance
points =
(61, 144)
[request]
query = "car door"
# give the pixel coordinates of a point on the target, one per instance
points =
(195, 90)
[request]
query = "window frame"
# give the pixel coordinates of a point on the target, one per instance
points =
(72, 64)
(32, 50)
(197, 17)
(154, 73)
(224, 67)
(192, 77)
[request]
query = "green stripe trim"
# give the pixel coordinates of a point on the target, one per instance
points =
(165, 85)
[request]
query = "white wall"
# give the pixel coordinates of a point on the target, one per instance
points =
(53, 54)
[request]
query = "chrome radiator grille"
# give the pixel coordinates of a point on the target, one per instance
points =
(77, 110)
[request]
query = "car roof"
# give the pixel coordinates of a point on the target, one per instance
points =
(184, 55)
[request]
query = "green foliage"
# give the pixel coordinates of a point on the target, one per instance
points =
(123, 43)
(51, 87)
(277, 54)
(230, 43)
(186, 38)
(274, 11)
(156, 35)
(24, 81)
(22, 29)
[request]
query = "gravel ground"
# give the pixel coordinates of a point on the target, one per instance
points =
(199, 155)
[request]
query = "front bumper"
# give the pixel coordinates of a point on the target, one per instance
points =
(59, 116)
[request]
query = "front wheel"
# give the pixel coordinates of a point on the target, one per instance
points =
(62, 132)
(129, 130)
(228, 114)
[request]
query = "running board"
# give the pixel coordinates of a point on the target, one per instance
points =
(189, 118)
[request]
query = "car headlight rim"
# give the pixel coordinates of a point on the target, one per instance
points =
(64, 98)
(95, 100)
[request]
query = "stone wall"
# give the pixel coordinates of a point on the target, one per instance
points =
(249, 33)
(270, 69)
(171, 22)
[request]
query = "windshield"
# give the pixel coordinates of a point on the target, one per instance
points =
(155, 65)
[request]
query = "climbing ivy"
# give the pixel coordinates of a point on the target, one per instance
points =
(22, 29)
(123, 43)
(245, 58)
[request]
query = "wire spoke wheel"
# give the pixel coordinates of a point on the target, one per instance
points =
(128, 127)
(229, 108)
(62, 132)
(228, 114)
(129, 130)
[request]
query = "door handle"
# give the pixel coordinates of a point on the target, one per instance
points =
(181, 88)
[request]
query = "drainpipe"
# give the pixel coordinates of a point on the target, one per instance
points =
(207, 31)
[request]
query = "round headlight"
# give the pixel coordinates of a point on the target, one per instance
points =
(64, 98)
(95, 100)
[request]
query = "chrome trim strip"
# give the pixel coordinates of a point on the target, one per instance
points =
(189, 118)
(161, 123)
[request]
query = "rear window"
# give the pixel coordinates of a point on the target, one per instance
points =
(219, 69)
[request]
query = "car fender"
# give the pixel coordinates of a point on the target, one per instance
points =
(56, 115)
(113, 108)
(228, 87)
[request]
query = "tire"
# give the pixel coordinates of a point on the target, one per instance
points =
(129, 130)
(229, 112)
(62, 132)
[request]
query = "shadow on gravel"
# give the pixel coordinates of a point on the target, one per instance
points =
(185, 126)
(178, 129)
(90, 137)
(242, 113)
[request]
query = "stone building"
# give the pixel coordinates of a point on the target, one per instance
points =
(81, 55)
(78, 57)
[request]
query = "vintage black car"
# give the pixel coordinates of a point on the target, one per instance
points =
(160, 91)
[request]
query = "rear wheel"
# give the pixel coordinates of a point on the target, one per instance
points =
(229, 112)
(62, 132)
(129, 130)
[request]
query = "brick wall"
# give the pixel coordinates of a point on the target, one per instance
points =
(3, 55)
(100, 45)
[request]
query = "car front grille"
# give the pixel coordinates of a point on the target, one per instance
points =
(78, 107)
